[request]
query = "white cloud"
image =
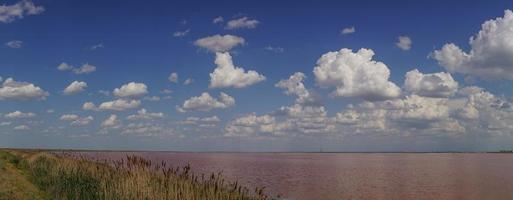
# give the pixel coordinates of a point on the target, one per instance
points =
(205, 102)
(348, 30)
(243, 22)
(119, 105)
(15, 44)
(355, 75)
(206, 120)
(294, 86)
(219, 43)
(404, 43)
(152, 98)
(275, 49)
(490, 53)
(9, 13)
(431, 85)
(111, 121)
(89, 106)
(188, 81)
(173, 77)
(75, 87)
(77, 120)
(227, 75)
(19, 115)
(131, 90)
(181, 33)
(84, 69)
(97, 46)
(145, 115)
(218, 20)
(21, 128)
(13, 90)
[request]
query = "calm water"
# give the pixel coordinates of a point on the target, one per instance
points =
(355, 176)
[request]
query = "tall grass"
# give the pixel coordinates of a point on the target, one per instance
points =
(130, 178)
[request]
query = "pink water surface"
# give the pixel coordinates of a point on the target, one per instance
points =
(336, 176)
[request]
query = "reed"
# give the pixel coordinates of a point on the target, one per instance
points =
(69, 177)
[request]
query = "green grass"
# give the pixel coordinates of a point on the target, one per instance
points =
(14, 183)
(67, 177)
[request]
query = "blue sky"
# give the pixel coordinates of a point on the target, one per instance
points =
(310, 85)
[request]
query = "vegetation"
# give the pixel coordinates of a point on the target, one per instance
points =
(67, 177)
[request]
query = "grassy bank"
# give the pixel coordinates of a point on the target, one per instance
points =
(65, 177)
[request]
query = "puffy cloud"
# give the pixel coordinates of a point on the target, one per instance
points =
(111, 121)
(431, 85)
(219, 43)
(243, 22)
(348, 30)
(404, 43)
(75, 87)
(294, 86)
(19, 115)
(77, 120)
(250, 125)
(9, 13)
(188, 81)
(355, 75)
(145, 115)
(227, 75)
(152, 98)
(89, 106)
(21, 128)
(205, 102)
(218, 20)
(181, 33)
(173, 77)
(13, 90)
(202, 122)
(15, 44)
(84, 69)
(119, 105)
(131, 90)
(490, 53)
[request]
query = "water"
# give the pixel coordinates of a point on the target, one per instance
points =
(336, 176)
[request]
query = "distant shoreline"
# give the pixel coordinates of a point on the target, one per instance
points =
(266, 152)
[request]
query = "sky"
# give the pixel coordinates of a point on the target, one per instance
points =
(256, 75)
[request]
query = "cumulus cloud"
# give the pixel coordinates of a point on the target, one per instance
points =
(77, 120)
(188, 81)
(14, 90)
(243, 22)
(15, 44)
(84, 69)
(21, 128)
(228, 75)
(145, 115)
(19, 115)
(9, 13)
(173, 77)
(219, 43)
(439, 84)
(294, 86)
(205, 122)
(131, 90)
(75, 87)
(205, 102)
(355, 75)
(490, 53)
(348, 30)
(218, 20)
(119, 105)
(111, 121)
(404, 43)
(181, 33)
